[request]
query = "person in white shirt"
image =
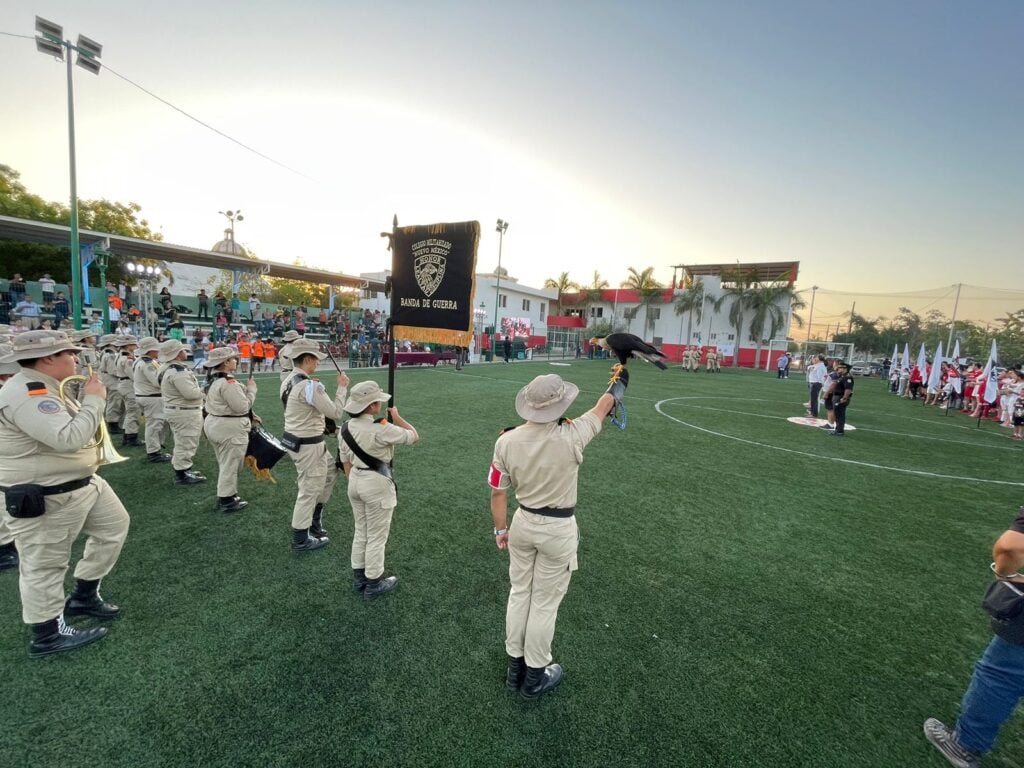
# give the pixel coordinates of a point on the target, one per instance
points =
(815, 379)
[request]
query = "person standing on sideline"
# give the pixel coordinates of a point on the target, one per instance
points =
(997, 684)
(147, 395)
(782, 364)
(183, 401)
(367, 448)
(306, 409)
(204, 305)
(48, 462)
(540, 461)
(507, 348)
(228, 420)
(815, 381)
(841, 394)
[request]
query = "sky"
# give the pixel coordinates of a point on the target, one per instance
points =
(878, 143)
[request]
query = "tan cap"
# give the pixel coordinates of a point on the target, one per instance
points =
(218, 355)
(545, 398)
(363, 395)
(169, 350)
(306, 347)
(32, 345)
(148, 344)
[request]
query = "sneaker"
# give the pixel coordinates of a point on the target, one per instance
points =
(828, 426)
(946, 742)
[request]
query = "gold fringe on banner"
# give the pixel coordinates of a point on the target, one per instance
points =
(433, 335)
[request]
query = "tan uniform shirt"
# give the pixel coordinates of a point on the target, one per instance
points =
(377, 439)
(88, 358)
(178, 386)
(146, 376)
(108, 359)
(124, 366)
(228, 396)
(40, 440)
(286, 357)
(543, 460)
(308, 404)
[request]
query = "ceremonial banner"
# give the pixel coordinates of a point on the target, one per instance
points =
(433, 270)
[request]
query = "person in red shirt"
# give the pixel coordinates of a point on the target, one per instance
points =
(916, 378)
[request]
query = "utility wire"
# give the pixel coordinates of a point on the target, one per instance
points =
(176, 108)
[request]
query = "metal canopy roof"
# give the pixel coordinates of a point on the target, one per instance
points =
(765, 271)
(30, 231)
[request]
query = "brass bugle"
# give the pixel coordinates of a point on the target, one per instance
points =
(105, 451)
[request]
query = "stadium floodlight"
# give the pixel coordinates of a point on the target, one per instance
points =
(89, 51)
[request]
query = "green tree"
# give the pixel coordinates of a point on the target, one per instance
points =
(738, 289)
(643, 282)
(767, 316)
(691, 302)
(563, 284)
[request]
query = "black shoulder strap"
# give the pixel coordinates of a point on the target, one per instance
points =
(175, 366)
(288, 390)
(373, 463)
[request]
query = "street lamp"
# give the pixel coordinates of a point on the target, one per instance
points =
(232, 216)
(145, 274)
(51, 42)
(501, 229)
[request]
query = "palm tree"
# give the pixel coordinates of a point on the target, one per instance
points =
(740, 290)
(691, 301)
(644, 284)
(563, 285)
(766, 302)
(592, 292)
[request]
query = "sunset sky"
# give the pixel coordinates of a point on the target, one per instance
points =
(878, 143)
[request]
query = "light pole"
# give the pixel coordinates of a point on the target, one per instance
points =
(810, 315)
(501, 229)
(232, 216)
(145, 274)
(51, 42)
(102, 259)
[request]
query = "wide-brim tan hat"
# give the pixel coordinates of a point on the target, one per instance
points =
(148, 344)
(82, 335)
(306, 347)
(169, 350)
(291, 336)
(363, 395)
(125, 341)
(106, 340)
(7, 366)
(32, 345)
(218, 356)
(545, 398)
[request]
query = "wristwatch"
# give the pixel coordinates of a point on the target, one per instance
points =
(500, 531)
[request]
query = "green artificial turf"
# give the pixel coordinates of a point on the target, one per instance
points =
(736, 604)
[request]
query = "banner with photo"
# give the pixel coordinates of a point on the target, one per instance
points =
(433, 271)
(516, 326)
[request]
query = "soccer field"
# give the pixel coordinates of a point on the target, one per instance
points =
(751, 592)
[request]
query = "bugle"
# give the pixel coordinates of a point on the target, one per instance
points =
(105, 451)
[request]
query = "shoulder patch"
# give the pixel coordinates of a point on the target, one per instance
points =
(49, 407)
(564, 420)
(507, 429)
(36, 388)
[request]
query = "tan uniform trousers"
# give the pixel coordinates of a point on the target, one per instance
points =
(131, 407)
(186, 423)
(6, 537)
(44, 545)
(229, 438)
(115, 406)
(312, 463)
(333, 473)
(373, 499)
(156, 426)
(542, 557)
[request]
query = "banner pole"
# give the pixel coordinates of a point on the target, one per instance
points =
(390, 323)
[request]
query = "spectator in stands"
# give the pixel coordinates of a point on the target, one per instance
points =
(236, 308)
(28, 312)
(166, 300)
(96, 323)
(16, 287)
(254, 306)
(61, 311)
(374, 351)
(204, 305)
(220, 326)
(322, 319)
(300, 325)
(220, 301)
(176, 327)
(47, 285)
(278, 330)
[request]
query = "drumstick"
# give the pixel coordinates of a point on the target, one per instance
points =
(327, 349)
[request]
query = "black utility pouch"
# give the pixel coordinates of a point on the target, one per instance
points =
(25, 501)
(290, 442)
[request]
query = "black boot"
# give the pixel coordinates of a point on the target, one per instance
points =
(231, 503)
(359, 579)
(113, 428)
(54, 636)
(303, 542)
(188, 477)
(158, 457)
(8, 556)
(516, 673)
(540, 680)
(317, 529)
(380, 586)
(86, 601)
(132, 440)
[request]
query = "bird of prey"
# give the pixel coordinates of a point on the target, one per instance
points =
(626, 345)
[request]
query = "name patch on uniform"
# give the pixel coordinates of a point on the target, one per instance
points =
(49, 406)
(36, 388)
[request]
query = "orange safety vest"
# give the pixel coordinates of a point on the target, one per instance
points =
(257, 349)
(269, 351)
(244, 349)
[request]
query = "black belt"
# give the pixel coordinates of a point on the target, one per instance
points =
(124, 378)
(156, 395)
(53, 490)
(229, 415)
(293, 443)
(551, 511)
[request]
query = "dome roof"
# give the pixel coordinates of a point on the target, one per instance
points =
(228, 246)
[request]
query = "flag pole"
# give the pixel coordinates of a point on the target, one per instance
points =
(390, 334)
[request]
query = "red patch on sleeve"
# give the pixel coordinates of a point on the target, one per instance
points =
(495, 478)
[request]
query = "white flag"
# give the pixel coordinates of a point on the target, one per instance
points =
(935, 377)
(922, 362)
(989, 376)
(905, 362)
(956, 354)
(894, 366)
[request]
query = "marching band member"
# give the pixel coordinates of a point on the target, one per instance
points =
(228, 420)
(145, 380)
(115, 403)
(183, 402)
(124, 369)
(48, 463)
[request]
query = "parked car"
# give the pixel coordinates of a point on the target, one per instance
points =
(866, 368)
